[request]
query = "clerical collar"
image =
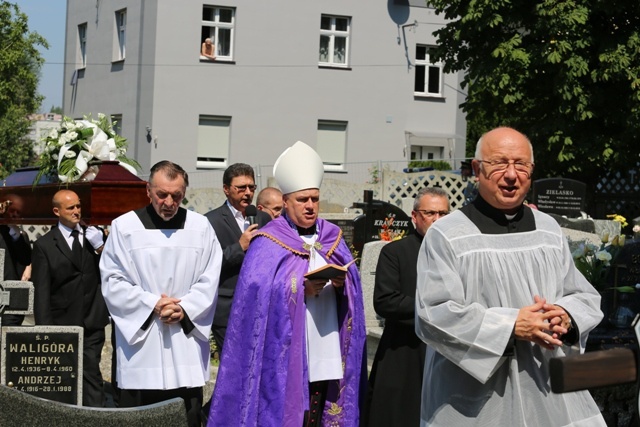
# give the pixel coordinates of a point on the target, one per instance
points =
(493, 221)
(151, 220)
(301, 231)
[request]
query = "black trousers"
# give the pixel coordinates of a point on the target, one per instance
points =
(92, 384)
(192, 400)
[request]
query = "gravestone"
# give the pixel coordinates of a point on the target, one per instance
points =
(19, 409)
(370, 254)
(345, 222)
(16, 297)
(559, 196)
(45, 361)
(380, 221)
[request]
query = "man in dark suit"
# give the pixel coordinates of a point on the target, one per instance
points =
(66, 279)
(17, 255)
(395, 383)
(234, 231)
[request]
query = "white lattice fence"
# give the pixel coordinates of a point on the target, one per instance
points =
(398, 186)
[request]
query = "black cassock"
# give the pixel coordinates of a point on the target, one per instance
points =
(395, 382)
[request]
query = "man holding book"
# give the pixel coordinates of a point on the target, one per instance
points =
(295, 347)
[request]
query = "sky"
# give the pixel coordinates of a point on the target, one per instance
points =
(47, 18)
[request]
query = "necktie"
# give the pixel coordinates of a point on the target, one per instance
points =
(76, 249)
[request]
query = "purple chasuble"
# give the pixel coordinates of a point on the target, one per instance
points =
(263, 378)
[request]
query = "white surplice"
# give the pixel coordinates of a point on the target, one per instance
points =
(470, 288)
(137, 266)
(323, 339)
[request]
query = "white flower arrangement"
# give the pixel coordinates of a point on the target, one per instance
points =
(69, 148)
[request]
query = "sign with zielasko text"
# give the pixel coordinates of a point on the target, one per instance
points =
(45, 361)
(560, 196)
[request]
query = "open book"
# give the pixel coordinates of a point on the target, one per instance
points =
(329, 271)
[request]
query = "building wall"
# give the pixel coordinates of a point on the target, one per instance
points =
(274, 91)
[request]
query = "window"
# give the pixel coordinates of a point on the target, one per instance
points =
(334, 40)
(428, 74)
(218, 25)
(121, 32)
(81, 54)
(332, 143)
(213, 141)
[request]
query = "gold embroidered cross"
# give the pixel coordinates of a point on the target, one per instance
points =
(317, 246)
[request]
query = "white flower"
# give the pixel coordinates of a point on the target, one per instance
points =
(72, 135)
(53, 133)
(636, 228)
(70, 154)
(54, 156)
(604, 256)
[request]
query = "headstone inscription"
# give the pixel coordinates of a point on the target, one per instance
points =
(560, 196)
(45, 361)
(380, 221)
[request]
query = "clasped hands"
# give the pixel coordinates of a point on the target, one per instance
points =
(315, 287)
(168, 309)
(542, 324)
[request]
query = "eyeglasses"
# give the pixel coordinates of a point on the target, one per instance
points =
(501, 166)
(243, 188)
(431, 214)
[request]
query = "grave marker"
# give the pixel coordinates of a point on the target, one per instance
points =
(45, 361)
(559, 196)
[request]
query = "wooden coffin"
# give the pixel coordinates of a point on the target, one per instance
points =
(113, 192)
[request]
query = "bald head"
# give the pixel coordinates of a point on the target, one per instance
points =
(66, 206)
(503, 165)
(270, 201)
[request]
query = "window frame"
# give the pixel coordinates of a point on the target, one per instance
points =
(203, 162)
(332, 34)
(325, 152)
(428, 65)
(81, 52)
(214, 30)
(120, 39)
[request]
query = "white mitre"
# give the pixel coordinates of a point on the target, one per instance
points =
(299, 167)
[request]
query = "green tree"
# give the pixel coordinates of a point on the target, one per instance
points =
(20, 64)
(564, 72)
(55, 110)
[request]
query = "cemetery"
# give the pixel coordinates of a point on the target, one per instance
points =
(44, 363)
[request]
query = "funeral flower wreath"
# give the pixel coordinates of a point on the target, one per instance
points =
(69, 148)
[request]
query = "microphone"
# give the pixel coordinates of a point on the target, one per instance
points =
(251, 212)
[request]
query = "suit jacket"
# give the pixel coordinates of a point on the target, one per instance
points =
(17, 254)
(228, 234)
(66, 293)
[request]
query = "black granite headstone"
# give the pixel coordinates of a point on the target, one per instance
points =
(45, 361)
(381, 221)
(559, 196)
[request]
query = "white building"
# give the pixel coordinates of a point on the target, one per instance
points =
(352, 79)
(41, 125)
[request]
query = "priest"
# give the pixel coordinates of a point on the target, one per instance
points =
(295, 348)
(160, 269)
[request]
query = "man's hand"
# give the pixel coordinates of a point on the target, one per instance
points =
(312, 288)
(245, 239)
(560, 325)
(338, 282)
(26, 274)
(95, 237)
(168, 309)
(533, 324)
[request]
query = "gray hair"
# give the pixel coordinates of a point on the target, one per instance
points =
(430, 191)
